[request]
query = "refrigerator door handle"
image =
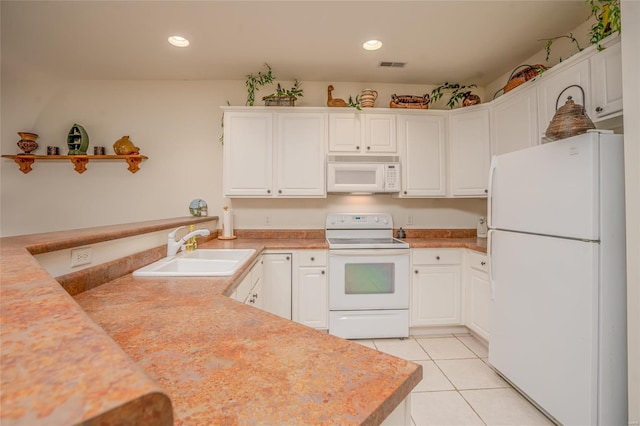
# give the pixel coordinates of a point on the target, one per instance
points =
(492, 284)
(492, 168)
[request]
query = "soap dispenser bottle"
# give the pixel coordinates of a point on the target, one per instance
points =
(192, 243)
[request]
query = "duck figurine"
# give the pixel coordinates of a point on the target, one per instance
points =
(334, 102)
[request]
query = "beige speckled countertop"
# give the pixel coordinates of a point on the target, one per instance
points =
(178, 350)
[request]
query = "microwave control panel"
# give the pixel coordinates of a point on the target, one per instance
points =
(392, 177)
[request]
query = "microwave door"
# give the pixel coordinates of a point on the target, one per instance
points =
(355, 178)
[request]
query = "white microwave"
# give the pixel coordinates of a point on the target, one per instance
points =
(363, 174)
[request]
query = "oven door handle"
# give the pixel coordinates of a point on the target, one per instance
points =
(368, 252)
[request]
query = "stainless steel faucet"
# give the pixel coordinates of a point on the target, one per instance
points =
(173, 246)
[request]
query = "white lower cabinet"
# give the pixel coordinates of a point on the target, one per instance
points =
(250, 289)
(436, 287)
(311, 289)
(478, 294)
(276, 284)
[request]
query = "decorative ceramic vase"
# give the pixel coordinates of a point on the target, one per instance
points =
(77, 140)
(124, 146)
(27, 142)
(368, 98)
(571, 119)
(470, 99)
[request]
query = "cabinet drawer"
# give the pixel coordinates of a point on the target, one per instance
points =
(436, 256)
(478, 261)
(312, 258)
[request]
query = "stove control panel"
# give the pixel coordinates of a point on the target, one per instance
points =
(359, 221)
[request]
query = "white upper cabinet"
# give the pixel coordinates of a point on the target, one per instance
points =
(247, 157)
(360, 132)
(469, 151)
(514, 124)
(423, 155)
(606, 83)
(344, 133)
(274, 154)
(300, 151)
(380, 133)
(551, 84)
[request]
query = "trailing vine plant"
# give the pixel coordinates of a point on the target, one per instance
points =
(254, 82)
(607, 13)
(550, 41)
(354, 103)
(458, 92)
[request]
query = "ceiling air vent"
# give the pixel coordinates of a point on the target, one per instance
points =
(392, 64)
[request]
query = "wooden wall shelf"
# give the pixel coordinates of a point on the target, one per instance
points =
(24, 161)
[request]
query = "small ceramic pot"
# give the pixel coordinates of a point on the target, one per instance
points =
(27, 142)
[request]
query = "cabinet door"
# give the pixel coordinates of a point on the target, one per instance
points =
(313, 297)
(344, 133)
(514, 121)
(435, 297)
(478, 294)
(276, 284)
(551, 85)
(247, 153)
(470, 152)
(422, 142)
(478, 303)
(299, 150)
(379, 133)
(606, 83)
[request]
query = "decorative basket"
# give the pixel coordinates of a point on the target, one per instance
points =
(409, 101)
(279, 101)
(518, 77)
(571, 119)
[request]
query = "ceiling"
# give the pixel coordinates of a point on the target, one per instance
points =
(463, 41)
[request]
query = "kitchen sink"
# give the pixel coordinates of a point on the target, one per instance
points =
(199, 263)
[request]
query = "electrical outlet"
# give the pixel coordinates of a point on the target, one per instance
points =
(80, 256)
(267, 221)
(409, 220)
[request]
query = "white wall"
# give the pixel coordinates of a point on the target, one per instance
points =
(630, 72)
(177, 125)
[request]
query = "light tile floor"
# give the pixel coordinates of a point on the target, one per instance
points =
(458, 386)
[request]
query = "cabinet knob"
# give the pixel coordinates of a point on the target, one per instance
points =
(322, 272)
(358, 148)
(279, 191)
(415, 272)
(287, 257)
(313, 258)
(368, 147)
(486, 191)
(437, 257)
(405, 192)
(255, 295)
(268, 191)
(599, 109)
(483, 263)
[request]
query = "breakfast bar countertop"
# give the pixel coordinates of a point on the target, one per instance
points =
(179, 349)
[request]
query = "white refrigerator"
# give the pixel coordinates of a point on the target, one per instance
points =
(558, 278)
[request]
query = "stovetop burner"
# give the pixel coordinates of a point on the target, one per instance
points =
(361, 231)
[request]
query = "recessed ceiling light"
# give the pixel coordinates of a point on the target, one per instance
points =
(178, 41)
(372, 45)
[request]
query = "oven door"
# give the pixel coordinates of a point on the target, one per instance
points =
(368, 279)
